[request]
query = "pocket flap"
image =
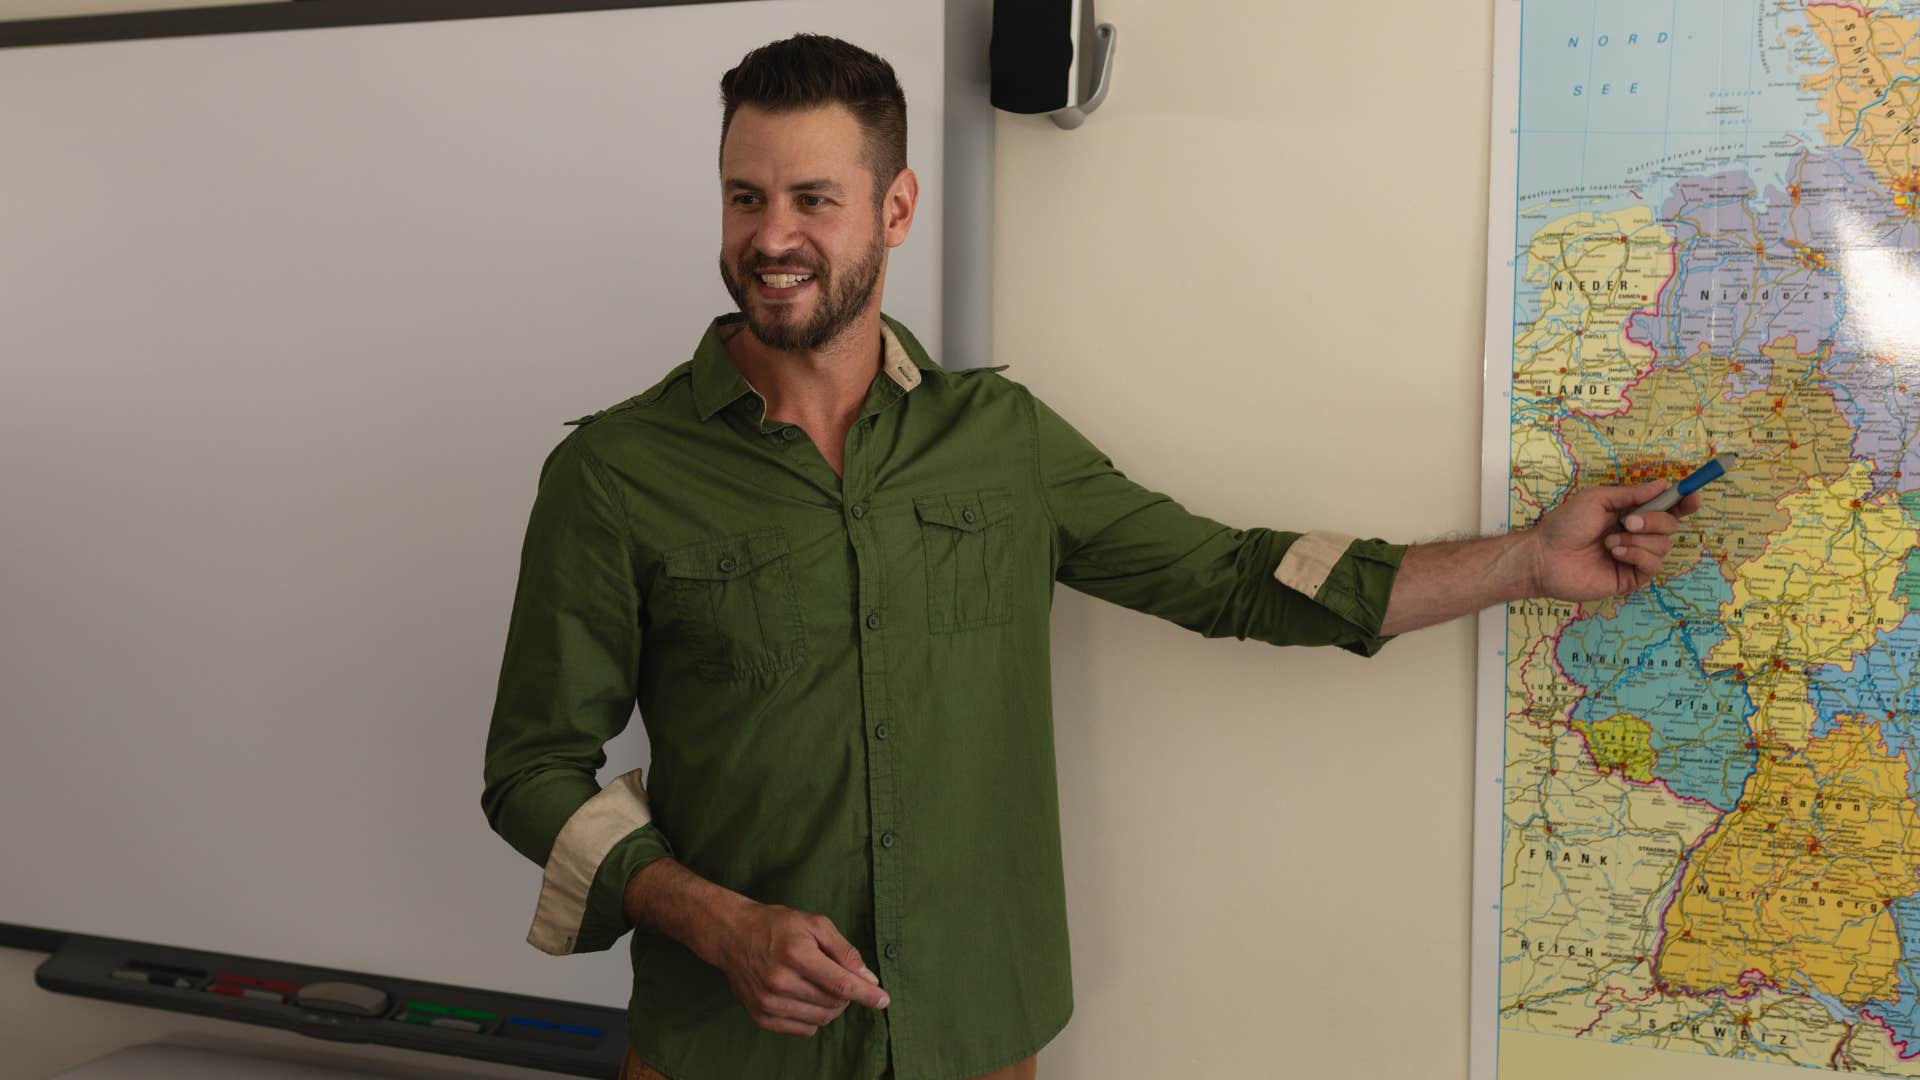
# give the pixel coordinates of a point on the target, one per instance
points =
(969, 511)
(728, 557)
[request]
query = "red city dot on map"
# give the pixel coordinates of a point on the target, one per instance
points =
(1779, 403)
(1793, 444)
(1734, 366)
(1856, 504)
(1549, 829)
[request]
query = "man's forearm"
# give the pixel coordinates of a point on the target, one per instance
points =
(1443, 581)
(670, 899)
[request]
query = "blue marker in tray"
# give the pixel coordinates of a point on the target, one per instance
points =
(1706, 474)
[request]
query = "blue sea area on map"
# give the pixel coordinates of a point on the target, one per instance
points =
(1618, 96)
(1647, 661)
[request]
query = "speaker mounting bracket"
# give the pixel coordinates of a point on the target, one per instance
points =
(1074, 115)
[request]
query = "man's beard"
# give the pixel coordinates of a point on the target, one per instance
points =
(839, 301)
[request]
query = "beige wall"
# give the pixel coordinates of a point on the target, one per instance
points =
(1256, 279)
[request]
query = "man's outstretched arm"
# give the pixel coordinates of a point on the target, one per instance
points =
(1580, 550)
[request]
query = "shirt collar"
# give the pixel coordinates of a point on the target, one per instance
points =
(718, 384)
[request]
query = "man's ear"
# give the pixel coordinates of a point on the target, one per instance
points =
(898, 205)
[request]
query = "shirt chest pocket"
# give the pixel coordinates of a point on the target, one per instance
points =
(735, 606)
(968, 538)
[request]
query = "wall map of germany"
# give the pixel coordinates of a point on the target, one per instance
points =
(1709, 801)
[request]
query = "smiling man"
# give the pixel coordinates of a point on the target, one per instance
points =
(823, 566)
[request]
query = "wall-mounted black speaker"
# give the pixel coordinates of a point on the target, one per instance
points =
(1049, 56)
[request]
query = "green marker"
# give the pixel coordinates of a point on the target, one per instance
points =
(428, 1014)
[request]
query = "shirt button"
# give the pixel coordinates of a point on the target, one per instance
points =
(873, 621)
(893, 952)
(882, 731)
(858, 511)
(726, 566)
(790, 434)
(967, 516)
(886, 839)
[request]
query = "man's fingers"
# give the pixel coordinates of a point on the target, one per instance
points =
(864, 986)
(792, 984)
(1638, 557)
(781, 1026)
(1658, 543)
(832, 978)
(787, 1008)
(1653, 521)
(1626, 498)
(839, 949)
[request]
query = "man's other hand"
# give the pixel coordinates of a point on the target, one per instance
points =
(793, 971)
(1584, 549)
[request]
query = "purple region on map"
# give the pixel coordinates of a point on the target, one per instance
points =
(1875, 245)
(1752, 268)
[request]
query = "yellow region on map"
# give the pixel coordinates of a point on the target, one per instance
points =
(1824, 587)
(1795, 885)
(1784, 432)
(1623, 742)
(1588, 860)
(1594, 270)
(1871, 94)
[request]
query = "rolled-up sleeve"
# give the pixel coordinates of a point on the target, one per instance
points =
(1123, 543)
(567, 685)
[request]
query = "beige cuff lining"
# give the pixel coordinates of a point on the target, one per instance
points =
(1311, 558)
(900, 366)
(583, 844)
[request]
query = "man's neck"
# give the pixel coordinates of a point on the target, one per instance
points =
(821, 389)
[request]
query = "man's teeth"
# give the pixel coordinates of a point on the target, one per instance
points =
(784, 281)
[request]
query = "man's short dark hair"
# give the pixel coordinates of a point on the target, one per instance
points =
(810, 70)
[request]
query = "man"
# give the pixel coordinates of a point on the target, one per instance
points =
(823, 567)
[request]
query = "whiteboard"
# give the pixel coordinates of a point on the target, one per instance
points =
(288, 322)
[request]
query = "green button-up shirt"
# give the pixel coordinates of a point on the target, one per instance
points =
(845, 683)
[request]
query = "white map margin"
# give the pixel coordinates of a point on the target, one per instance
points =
(1489, 754)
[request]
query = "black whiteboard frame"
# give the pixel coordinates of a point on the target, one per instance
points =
(286, 15)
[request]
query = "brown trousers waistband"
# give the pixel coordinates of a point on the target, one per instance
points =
(634, 1069)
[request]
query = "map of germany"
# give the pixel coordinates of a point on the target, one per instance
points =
(1710, 791)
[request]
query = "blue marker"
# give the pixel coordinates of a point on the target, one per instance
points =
(1706, 474)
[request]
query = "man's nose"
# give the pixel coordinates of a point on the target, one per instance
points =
(779, 232)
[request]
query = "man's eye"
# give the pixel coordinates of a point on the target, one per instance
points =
(743, 199)
(813, 201)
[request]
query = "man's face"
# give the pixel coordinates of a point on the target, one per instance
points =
(802, 244)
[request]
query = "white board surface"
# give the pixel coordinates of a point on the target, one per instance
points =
(288, 322)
